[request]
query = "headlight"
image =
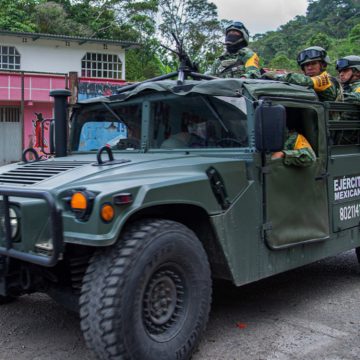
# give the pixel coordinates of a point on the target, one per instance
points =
(14, 223)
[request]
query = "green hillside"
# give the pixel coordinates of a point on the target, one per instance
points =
(332, 24)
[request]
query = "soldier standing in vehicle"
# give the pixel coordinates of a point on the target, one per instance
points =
(349, 74)
(238, 60)
(313, 62)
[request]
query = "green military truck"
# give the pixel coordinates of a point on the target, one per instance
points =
(165, 186)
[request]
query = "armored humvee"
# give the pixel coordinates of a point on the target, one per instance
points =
(168, 185)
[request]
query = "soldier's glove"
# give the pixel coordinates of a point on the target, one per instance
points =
(269, 75)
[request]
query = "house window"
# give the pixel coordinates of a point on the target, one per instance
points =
(9, 114)
(107, 66)
(9, 58)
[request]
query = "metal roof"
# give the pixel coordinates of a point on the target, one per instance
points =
(79, 39)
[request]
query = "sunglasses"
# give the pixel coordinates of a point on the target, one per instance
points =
(310, 54)
(342, 64)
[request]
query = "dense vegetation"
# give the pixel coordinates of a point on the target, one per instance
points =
(333, 24)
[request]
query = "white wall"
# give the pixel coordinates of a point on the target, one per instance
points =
(54, 56)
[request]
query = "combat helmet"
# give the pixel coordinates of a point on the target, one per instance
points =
(348, 62)
(239, 26)
(313, 53)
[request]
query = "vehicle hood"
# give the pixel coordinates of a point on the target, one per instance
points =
(77, 171)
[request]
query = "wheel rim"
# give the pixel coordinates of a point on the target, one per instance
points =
(163, 303)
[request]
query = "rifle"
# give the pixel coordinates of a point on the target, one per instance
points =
(187, 67)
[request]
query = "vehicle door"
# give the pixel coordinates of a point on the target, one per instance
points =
(296, 201)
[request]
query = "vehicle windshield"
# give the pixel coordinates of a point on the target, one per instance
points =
(163, 122)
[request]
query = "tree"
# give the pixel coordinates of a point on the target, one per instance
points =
(51, 18)
(320, 39)
(327, 24)
(14, 15)
(354, 37)
(195, 24)
(281, 61)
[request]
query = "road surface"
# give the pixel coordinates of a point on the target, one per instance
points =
(311, 313)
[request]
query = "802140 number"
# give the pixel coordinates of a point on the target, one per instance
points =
(349, 212)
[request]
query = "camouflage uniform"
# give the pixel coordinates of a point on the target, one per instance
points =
(243, 63)
(352, 92)
(326, 87)
(298, 151)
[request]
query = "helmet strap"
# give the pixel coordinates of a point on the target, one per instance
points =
(355, 75)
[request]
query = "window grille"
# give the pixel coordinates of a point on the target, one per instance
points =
(9, 58)
(107, 66)
(9, 114)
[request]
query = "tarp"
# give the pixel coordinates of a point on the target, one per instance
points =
(218, 87)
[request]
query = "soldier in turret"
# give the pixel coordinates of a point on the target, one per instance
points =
(313, 62)
(238, 60)
(349, 74)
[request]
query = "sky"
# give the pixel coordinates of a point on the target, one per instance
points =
(260, 16)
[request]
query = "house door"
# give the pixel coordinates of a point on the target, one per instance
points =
(10, 134)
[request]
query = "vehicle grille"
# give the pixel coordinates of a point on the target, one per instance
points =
(33, 173)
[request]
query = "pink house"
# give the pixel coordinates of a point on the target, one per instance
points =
(31, 65)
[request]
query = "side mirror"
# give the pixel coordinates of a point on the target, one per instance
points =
(270, 122)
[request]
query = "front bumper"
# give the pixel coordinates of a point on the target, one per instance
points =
(55, 227)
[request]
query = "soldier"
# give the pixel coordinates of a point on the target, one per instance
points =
(238, 60)
(313, 62)
(297, 151)
(349, 73)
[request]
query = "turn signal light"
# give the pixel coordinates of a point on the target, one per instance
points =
(107, 212)
(79, 201)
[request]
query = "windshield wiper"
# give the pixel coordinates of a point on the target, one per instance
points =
(214, 112)
(117, 117)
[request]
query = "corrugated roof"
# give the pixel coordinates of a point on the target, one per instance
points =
(79, 39)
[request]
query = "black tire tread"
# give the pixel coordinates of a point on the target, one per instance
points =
(106, 273)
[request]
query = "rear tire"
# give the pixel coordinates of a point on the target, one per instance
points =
(148, 296)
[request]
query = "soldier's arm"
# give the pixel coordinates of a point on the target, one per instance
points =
(295, 78)
(353, 97)
(301, 157)
(298, 151)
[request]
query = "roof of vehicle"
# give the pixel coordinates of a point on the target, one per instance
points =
(216, 87)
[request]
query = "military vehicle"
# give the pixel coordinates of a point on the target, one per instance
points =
(166, 186)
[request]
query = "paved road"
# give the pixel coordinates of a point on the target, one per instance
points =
(310, 313)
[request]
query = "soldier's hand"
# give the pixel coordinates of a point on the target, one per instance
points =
(277, 155)
(269, 75)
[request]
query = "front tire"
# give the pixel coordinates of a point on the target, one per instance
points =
(148, 296)
(7, 299)
(357, 252)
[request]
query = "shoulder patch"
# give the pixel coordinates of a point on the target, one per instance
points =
(321, 82)
(253, 61)
(301, 143)
(357, 90)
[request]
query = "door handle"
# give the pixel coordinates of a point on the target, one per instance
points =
(322, 176)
